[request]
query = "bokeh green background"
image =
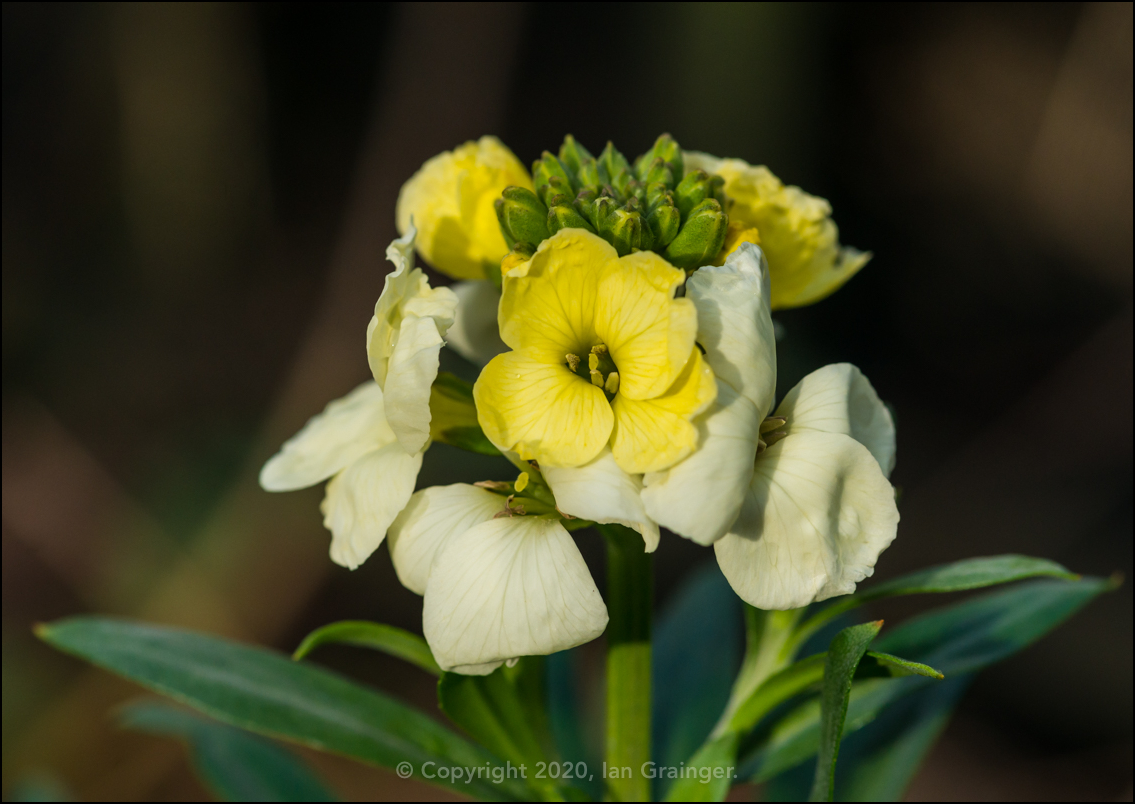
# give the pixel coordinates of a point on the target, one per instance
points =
(196, 201)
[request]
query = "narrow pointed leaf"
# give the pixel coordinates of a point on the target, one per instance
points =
(235, 764)
(903, 667)
(266, 692)
(790, 681)
(844, 655)
(377, 636)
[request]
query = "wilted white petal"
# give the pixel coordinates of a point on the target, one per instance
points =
(700, 497)
(346, 429)
(734, 323)
(839, 399)
(406, 292)
(363, 499)
(475, 669)
(427, 522)
(604, 493)
(412, 370)
(818, 515)
(474, 334)
(510, 587)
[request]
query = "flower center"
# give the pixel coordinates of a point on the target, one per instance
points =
(599, 369)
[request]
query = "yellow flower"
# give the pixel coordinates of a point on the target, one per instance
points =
(602, 354)
(797, 234)
(450, 200)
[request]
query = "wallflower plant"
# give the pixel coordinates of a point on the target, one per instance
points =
(617, 318)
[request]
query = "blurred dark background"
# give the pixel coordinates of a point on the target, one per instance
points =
(196, 201)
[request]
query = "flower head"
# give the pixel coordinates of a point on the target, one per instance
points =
(602, 354)
(796, 231)
(450, 200)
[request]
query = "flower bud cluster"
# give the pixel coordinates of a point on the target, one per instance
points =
(652, 205)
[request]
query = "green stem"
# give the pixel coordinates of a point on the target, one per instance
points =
(630, 592)
(769, 649)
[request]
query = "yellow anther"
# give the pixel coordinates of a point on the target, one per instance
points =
(521, 482)
(612, 384)
(596, 377)
(572, 361)
(599, 349)
(593, 361)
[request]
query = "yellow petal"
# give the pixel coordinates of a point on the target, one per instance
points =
(541, 410)
(648, 332)
(797, 233)
(450, 200)
(548, 305)
(653, 434)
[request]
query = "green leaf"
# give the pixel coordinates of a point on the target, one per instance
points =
(453, 415)
(956, 640)
(264, 691)
(903, 667)
(235, 764)
(709, 773)
(378, 636)
(879, 761)
(972, 573)
(844, 655)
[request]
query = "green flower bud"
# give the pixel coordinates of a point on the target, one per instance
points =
(658, 193)
(605, 207)
(664, 220)
(573, 155)
(624, 183)
(523, 218)
(547, 166)
(666, 149)
(554, 185)
(612, 161)
(585, 205)
(629, 232)
(692, 190)
(701, 236)
(658, 171)
(717, 186)
(591, 174)
(564, 216)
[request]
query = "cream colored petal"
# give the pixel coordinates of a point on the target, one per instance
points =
(701, 496)
(506, 588)
(474, 334)
(541, 411)
(734, 324)
(347, 429)
(429, 520)
(363, 499)
(839, 399)
(412, 369)
(604, 493)
(818, 514)
(406, 292)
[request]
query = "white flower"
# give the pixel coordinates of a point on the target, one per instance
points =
(806, 517)
(370, 442)
(496, 587)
